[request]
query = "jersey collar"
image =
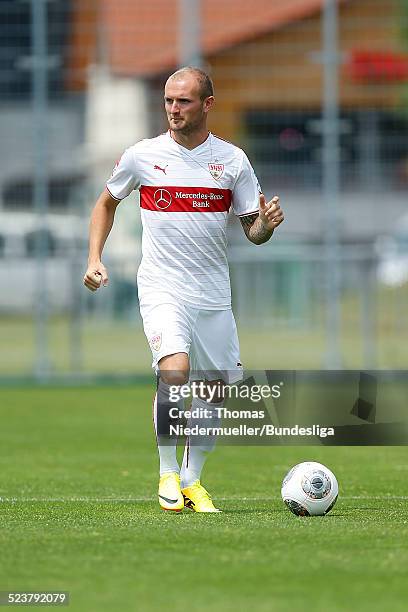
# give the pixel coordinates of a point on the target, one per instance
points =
(197, 149)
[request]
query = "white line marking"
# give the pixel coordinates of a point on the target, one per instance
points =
(75, 499)
(44, 500)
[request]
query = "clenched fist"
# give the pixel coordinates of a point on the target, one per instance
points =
(96, 276)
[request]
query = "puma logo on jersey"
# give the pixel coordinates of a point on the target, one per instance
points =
(156, 167)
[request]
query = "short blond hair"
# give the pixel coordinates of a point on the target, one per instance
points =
(206, 87)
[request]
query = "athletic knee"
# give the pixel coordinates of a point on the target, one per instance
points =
(174, 378)
(174, 369)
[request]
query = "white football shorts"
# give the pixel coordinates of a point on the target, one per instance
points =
(209, 337)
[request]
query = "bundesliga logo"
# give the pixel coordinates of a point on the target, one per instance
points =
(216, 170)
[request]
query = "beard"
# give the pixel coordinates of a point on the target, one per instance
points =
(187, 127)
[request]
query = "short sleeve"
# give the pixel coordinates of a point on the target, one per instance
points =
(124, 177)
(245, 195)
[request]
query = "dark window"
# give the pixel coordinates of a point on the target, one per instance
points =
(48, 242)
(286, 147)
(18, 194)
(15, 47)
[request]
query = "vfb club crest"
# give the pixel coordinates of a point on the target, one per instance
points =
(155, 341)
(216, 170)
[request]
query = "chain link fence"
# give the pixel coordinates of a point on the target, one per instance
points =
(81, 81)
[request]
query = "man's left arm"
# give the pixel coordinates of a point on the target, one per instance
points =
(259, 227)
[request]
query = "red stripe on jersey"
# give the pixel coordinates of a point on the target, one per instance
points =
(185, 199)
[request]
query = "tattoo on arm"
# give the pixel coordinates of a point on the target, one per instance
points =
(254, 229)
(247, 222)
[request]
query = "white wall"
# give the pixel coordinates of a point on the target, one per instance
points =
(116, 117)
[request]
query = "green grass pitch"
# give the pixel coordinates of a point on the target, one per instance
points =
(78, 478)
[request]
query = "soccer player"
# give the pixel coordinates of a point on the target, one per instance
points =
(188, 180)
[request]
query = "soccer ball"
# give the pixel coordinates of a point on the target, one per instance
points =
(310, 489)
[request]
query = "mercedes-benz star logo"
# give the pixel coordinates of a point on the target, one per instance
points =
(162, 198)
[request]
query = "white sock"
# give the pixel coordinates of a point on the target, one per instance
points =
(166, 444)
(198, 448)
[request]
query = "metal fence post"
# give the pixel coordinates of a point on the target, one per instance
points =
(40, 188)
(190, 33)
(331, 181)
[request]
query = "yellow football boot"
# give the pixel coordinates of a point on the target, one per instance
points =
(170, 495)
(198, 499)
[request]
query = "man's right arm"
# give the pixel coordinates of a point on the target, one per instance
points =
(100, 225)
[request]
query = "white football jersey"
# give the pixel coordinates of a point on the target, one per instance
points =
(185, 197)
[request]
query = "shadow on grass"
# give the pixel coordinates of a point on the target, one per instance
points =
(348, 512)
(254, 511)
